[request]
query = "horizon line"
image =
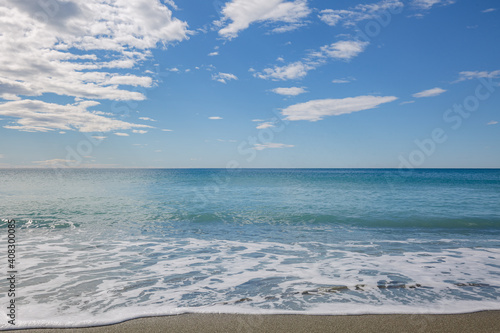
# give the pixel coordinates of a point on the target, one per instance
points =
(246, 168)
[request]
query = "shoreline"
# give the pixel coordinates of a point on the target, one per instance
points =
(482, 321)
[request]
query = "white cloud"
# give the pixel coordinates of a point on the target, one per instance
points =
(358, 13)
(262, 146)
(214, 118)
(139, 131)
(38, 116)
(130, 80)
(344, 80)
(7, 96)
(493, 122)
(73, 48)
(242, 13)
(98, 137)
(292, 91)
(173, 69)
(318, 109)
(257, 120)
(344, 50)
(213, 53)
(287, 28)
(91, 85)
(471, 75)
(427, 4)
(62, 53)
(146, 118)
(489, 10)
(406, 102)
(341, 50)
(171, 3)
(292, 71)
(121, 134)
(210, 67)
(267, 124)
(223, 77)
(429, 93)
(166, 130)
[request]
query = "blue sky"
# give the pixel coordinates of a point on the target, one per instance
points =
(250, 83)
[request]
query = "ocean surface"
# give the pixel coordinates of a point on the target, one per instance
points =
(102, 246)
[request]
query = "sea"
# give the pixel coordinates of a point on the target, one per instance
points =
(100, 246)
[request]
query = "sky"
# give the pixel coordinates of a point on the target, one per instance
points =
(250, 84)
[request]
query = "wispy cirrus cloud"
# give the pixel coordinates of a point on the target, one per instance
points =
(406, 102)
(429, 92)
(342, 50)
(238, 15)
(471, 75)
(146, 118)
(267, 124)
(344, 80)
(272, 145)
(361, 12)
(315, 110)
(290, 91)
(428, 4)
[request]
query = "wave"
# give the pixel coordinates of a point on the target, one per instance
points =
(274, 219)
(39, 223)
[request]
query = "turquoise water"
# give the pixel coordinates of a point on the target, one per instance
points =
(101, 246)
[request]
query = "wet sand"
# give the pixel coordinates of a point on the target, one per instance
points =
(485, 321)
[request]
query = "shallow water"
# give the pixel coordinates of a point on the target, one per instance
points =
(101, 246)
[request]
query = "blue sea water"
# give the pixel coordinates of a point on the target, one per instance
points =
(101, 246)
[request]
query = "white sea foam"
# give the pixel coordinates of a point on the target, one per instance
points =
(69, 279)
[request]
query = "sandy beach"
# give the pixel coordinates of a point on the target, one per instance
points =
(485, 321)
